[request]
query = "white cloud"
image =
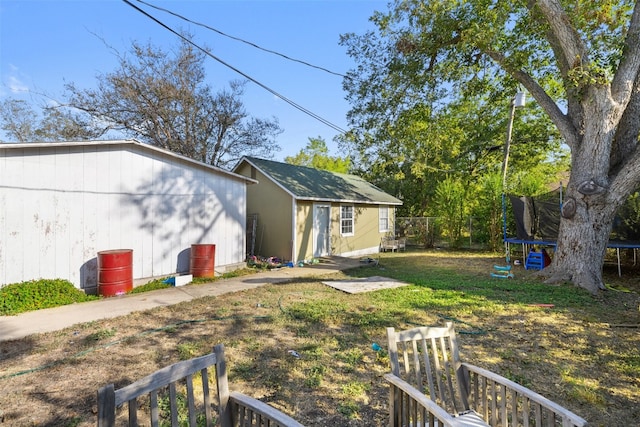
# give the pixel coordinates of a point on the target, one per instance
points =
(14, 81)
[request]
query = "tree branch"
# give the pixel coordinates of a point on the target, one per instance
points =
(568, 40)
(565, 126)
(626, 75)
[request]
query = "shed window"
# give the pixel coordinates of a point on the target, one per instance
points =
(346, 220)
(383, 218)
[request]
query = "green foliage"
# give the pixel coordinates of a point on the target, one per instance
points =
(351, 357)
(430, 102)
(450, 201)
(164, 406)
(315, 375)
(488, 207)
(151, 286)
(73, 422)
(349, 409)
(316, 311)
(316, 155)
(38, 294)
(355, 389)
(188, 350)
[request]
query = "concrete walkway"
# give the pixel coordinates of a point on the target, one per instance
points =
(53, 319)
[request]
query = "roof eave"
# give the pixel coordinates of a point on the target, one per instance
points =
(31, 145)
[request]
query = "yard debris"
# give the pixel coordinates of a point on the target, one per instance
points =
(294, 354)
(618, 288)
(268, 262)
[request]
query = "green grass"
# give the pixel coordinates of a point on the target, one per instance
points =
(188, 350)
(101, 334)
(572, 353)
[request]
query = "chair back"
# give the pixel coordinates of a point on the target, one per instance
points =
(179, 394)
(428, 359)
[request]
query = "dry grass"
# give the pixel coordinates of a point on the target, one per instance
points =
(583, 353)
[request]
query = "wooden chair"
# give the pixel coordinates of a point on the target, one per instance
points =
(389, 243)
(181, 394)
(430, 386)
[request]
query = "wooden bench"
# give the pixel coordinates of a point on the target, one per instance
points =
(391, 244)
(430, 386)
(181, 394)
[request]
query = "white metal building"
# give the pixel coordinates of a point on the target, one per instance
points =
(62, 203)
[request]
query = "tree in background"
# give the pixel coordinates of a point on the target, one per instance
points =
(22, 124)
(450, 201)
(162, 99)
(580, 62)
(316, 155)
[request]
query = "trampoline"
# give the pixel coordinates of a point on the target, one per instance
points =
(537, 220)
(527, 245)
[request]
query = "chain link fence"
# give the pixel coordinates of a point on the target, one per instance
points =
(428, 232)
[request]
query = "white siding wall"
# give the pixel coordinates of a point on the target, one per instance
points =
(60, 205)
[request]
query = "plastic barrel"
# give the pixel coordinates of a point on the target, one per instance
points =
(202, 260)
(115, 272)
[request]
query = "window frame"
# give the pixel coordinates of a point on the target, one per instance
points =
(387, 227)
(348, 222)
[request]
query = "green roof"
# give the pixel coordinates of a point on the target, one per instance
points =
(305, 183)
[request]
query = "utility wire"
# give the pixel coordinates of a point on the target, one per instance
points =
(241, 40)
(206, 52)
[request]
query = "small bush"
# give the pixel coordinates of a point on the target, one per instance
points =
(151, 286)
(17, 298)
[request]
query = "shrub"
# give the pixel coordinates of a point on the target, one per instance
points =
(38, 294)
(151, 286)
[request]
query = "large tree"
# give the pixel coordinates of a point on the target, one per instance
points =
(316, 155)
(579, 60)
(162, 98)
(22, 123)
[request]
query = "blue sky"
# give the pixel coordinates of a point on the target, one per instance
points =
(44, 44)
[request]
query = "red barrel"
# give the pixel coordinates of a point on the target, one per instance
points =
(115, 272)
(202, 260)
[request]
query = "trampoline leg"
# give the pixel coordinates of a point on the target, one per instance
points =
(618, 254)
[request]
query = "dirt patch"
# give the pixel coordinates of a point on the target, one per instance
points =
(586, 360)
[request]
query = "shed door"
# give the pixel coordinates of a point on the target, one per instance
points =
(321, 230)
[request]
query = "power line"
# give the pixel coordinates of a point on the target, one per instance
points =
(241, 40)
(206, 52)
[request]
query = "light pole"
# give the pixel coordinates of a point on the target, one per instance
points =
(518, 101)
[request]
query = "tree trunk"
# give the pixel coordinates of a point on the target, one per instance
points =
(591, 202)
(582, 243)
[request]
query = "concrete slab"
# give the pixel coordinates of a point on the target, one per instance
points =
(365, 284)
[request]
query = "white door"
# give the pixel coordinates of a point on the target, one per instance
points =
(321, 230)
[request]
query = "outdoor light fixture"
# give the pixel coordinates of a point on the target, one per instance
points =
(518, 101)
